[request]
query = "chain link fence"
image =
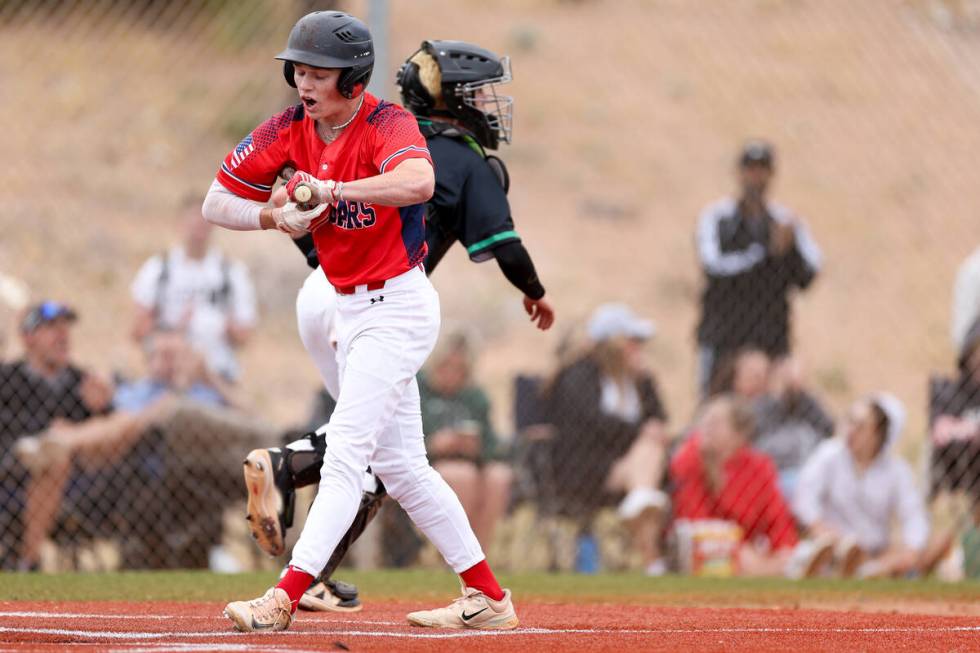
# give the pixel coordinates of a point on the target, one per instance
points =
(122, 436)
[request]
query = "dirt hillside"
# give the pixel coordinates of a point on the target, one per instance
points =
(628, 116)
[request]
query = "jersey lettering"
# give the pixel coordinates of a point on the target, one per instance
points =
(352, 215)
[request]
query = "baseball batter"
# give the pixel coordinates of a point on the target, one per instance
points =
(369, 160)
(451, 86)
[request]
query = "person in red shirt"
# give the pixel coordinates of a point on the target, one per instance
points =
(368, 162)
(717, 475)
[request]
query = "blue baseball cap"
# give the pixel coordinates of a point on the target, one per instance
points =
(44, 313)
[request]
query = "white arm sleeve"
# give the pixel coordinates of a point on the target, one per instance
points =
(225, 209)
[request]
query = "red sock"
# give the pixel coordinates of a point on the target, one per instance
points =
(295, 582)
(479, 577)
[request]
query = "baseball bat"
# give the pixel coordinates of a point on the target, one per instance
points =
(305, 196)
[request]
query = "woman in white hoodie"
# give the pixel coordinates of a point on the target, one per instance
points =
(854, 487)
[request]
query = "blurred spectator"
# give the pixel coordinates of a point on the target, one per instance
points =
(854, 488)
(716, 475)
(460, 439)
(791, 423)
(753, 252)
(195, 289)
(81, 454)
(173, 368)
(42, 389)
(954, 418)
(610, 429)
(966, 299)
(745, 373)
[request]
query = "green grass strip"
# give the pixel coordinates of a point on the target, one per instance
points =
(438, 585)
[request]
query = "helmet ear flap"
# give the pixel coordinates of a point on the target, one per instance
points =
(414, 92)
(288, 71)
(351, 78)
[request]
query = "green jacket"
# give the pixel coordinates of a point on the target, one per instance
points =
(469, 405)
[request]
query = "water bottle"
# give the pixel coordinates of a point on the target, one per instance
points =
(587, 554)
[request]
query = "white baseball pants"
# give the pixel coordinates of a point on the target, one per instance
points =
(316, 305)
(381, 345)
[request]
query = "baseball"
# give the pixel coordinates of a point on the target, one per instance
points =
(302, 194)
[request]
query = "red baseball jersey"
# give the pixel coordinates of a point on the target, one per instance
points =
(356, 242)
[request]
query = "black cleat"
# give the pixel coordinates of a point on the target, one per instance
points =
(330, 596)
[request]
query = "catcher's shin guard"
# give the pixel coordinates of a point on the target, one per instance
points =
(370, 503)
(271, 479)
(304, 458)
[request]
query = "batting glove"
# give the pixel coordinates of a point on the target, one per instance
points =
(291, 219)
(301, 178)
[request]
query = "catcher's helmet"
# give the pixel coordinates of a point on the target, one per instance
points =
(331, 39)
(468, 75)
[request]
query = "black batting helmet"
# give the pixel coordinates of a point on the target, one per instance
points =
(331, 39)
(467, 78)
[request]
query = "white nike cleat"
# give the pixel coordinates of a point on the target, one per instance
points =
(270, 612)
(472, 610)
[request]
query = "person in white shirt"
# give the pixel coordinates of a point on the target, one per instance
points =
(854, 487)
(966, 298)
(193, 288)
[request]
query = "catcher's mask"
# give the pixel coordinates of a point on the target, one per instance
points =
(468, 85)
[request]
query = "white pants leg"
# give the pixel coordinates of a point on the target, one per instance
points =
(382, 345)
(316, 304)
(400, 462)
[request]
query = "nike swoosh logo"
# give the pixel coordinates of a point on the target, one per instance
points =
(467, 617)
(257, 626)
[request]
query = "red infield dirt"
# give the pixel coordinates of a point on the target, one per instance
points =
(158, 626)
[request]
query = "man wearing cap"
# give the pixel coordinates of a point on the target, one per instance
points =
(754, 252)
(610, 429)
(41, 389)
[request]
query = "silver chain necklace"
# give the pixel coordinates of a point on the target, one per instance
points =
(354, 115)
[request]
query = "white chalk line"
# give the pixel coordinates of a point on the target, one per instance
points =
(176, 617)
(141, 635)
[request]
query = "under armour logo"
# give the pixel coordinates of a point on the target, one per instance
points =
(379, 298)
